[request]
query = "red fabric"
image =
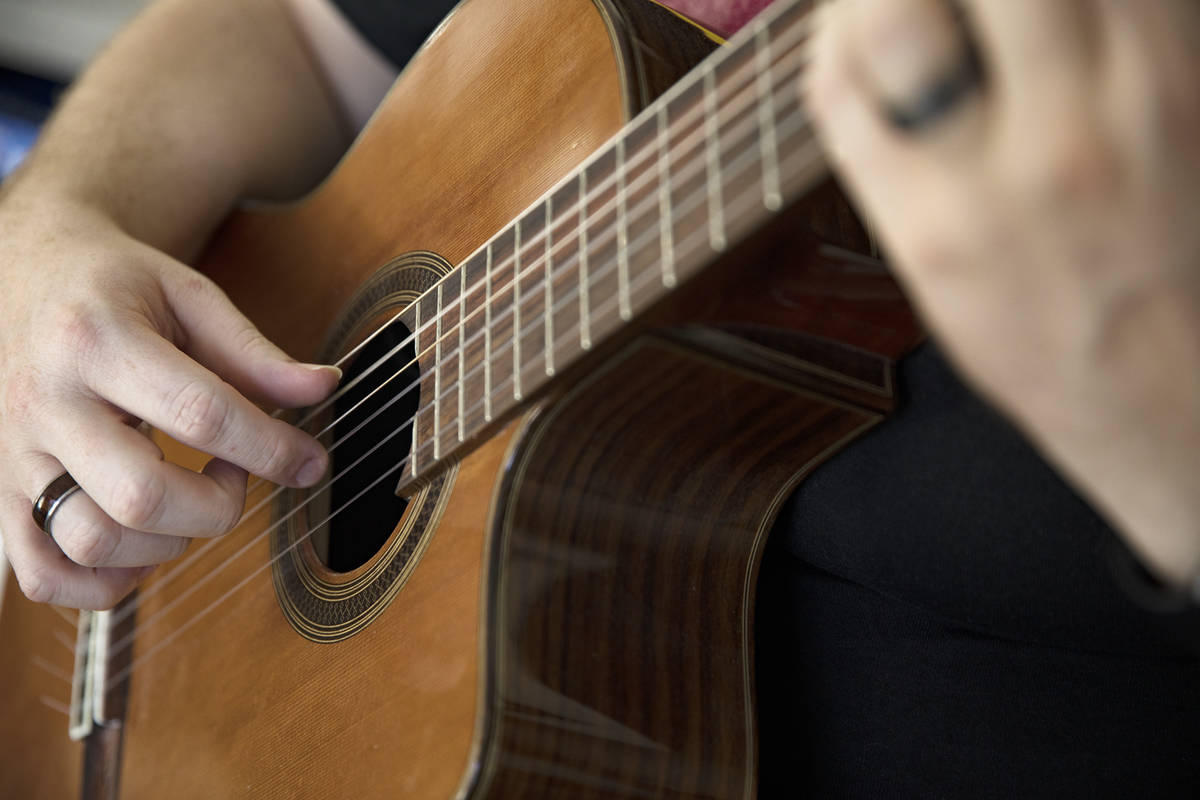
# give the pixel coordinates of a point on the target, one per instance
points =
(720, 16)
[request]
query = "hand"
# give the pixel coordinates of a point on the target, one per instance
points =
(101, 332)
(1044, 222)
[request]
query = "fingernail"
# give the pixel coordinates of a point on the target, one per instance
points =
(312, 471)
(329, 368)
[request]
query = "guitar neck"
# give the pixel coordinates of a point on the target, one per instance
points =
(694, 173)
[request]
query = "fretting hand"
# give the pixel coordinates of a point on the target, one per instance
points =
(1033, 168)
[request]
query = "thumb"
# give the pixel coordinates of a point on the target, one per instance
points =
(221, 338)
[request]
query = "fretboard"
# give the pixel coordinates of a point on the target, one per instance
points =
(696, 172)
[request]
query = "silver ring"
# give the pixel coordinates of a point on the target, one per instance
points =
(51, 499)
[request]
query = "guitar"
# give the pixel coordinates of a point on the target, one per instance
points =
(557, 449)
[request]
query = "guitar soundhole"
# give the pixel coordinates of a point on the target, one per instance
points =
(373, 434)
(342, 551)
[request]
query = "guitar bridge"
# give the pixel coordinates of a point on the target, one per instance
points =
(97, 700)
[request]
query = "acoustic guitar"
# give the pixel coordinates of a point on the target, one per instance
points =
(600, 310)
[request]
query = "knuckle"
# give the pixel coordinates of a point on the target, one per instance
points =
(198, 414)
(89, 544)
(137, 500)
(79, 328)
(37, 584)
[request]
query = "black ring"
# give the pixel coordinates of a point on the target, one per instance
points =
(941, 97)
(51, 499)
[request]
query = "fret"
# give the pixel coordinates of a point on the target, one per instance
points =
(487, 339)
(739, 138)
(666, 231)
(474, 333)
(549, 279)
(437, 379)
(623, 303)
(414, 446)
(563, 276)
(796, 147)
(516, 312)
(772, 198)
(531, 301)
(604, 254)
(687, 190)
(504, 318)
(716, 211)
(643, 224)
(462, 352)
(448, 359)
(585, 332)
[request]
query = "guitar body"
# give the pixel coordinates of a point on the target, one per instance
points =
(567, 610)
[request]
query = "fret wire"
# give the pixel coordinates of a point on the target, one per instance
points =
(585, 329)
(462, 350)
(716, 219)
(487, 337)
(772, 198)
(516, 307)
(549, 315)
(417, 417)
(437, 381)
(626, 311)
(666, 231)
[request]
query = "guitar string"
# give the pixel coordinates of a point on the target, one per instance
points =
(810, 158)
(689, 204)
(787, 51)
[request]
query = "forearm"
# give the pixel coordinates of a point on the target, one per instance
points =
(198, 103)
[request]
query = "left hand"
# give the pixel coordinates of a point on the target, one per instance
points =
(1045, 223)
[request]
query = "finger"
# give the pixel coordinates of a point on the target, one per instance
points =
(917, 59)
(46, 575)
(125, 474)
(157, 383)
(91, 538)
(1036, 48)
(221, 338)
(886, 169)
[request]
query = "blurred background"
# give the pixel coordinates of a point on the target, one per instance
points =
(43, 44)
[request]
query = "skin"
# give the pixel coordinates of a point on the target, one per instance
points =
(1042, 228)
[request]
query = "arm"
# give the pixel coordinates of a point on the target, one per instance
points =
(198, 103)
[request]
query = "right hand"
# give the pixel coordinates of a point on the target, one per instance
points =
(101, 332)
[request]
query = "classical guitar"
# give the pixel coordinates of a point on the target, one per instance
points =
(600, 310)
